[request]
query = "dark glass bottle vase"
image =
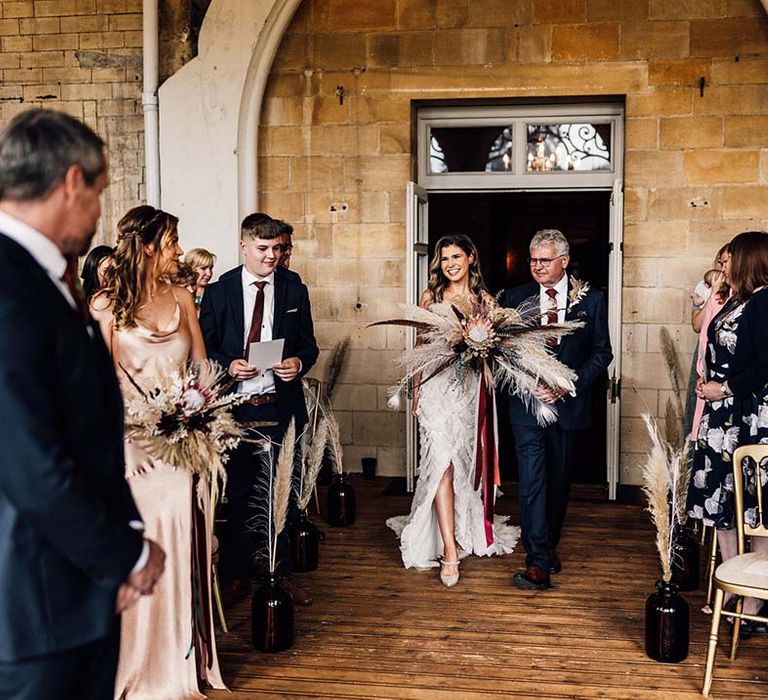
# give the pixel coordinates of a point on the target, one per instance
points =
(305, 544)
(271, 617)
(666, 624)
(685, 561)
(325, 475)
(369, 467)
(342, 504)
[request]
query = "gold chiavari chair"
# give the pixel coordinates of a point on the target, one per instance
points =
(710, 532)
(745, 575)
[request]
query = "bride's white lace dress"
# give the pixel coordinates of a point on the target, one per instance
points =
(447, 413)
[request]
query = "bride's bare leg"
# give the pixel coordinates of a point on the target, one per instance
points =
(444, 499)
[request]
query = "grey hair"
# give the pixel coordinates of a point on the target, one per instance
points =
(39, 146)
(553, 236)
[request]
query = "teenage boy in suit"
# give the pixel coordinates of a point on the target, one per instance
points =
(258, 301)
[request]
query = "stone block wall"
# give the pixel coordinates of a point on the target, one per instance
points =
(696, 165)
(82, 57)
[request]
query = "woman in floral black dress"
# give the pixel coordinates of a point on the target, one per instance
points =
(736, 392)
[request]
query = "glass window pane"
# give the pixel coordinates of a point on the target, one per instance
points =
(475, 149)
(563, 147)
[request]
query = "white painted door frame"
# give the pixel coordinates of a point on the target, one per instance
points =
(417, 232)
(417, 263)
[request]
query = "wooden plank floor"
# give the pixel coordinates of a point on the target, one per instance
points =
(378, 631)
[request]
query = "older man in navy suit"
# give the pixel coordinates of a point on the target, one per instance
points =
(72, 554)
(258, 301)
(544, 453)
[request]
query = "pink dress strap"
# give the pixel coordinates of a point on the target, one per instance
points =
(711, 308)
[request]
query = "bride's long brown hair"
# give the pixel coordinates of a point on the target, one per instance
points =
(437, 281)
(124, 279)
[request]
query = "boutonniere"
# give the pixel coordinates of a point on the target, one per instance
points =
(579, 290)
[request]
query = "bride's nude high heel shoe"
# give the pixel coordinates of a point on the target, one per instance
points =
(449, 580)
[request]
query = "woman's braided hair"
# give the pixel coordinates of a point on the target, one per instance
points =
(124, 280)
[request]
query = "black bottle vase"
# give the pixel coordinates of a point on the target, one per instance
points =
(685, 561)
(342, 504)
(271, 617)
(325, 475)
(305, 544)
(666, 624)
(369, 467)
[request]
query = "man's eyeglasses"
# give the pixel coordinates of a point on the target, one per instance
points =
(546, 262)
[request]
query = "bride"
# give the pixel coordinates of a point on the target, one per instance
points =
(167, 639)
(446, 520)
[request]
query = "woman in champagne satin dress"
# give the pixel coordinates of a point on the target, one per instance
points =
(167, 639)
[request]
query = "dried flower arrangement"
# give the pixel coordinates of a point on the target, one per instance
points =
(335, 366)
(666, 474)
(184, 417)
(667, 470)
(276, 483)
(332, 437)
(509, 347)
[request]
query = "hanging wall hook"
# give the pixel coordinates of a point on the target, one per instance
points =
(340, 93)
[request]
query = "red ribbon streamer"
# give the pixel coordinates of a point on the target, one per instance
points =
(487, 455)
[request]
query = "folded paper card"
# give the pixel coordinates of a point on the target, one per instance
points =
(266, 354)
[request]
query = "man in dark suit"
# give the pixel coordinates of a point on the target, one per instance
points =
(544, 453)
(258, 301)
(71, 549)
(286, 243)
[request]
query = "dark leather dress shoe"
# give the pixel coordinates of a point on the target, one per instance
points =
(298, 594)
(534, 578)
(234, 591)
(555, 565)
(750, 627)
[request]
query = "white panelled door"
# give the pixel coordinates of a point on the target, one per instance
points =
(417, 264)
(615, 263)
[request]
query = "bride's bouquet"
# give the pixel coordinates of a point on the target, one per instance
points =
(184, 418)
(509, 348)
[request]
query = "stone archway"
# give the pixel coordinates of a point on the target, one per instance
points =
(253, 94)
(209, 122)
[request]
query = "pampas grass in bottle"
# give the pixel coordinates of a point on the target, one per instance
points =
(685, 546)
(665, 475)
(271, 605)
(342, 503)
(305, 537)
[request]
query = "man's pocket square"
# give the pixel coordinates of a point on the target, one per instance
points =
(292, 311)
